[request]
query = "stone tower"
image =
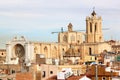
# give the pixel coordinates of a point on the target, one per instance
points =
(94, 28)
(70, 36)
(70, 26)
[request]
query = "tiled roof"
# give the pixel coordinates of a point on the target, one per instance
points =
(69, 78)
(74, 77)
(54, 77)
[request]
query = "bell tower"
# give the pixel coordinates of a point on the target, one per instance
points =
(94, 28)
(70, 26)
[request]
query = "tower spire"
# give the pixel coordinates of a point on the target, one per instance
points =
(93, 13)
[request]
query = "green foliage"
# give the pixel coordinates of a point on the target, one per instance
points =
(118, 58)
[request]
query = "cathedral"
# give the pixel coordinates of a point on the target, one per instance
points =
(72, 47)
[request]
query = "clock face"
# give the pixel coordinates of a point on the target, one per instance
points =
(19, 50)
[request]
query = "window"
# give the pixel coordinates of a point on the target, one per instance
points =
(100, 62)
(51, 72)
(103, 78)
(54, 52)
(91, 27)
(78, 50)
(13, 71)
(62, 49)
(35, 50)
(46, 51)
(78, 41)
(2, 53)
(95, 58)
(72, 38)
(65, 38)
(90, 51)
(9, 79)
(95, 27)
(43, 75)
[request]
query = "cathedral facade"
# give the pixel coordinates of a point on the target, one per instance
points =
(72, 45)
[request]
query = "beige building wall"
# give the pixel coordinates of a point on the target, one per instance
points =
(48, 71)
(94, 28)
(93, 44)
(70, 36)
(93, 49)
(77, 69)
(90, 59)
(2, 55)
(50, 50)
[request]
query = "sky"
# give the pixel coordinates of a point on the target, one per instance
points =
(36, 19)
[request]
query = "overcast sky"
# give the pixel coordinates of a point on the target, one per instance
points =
(36, 19)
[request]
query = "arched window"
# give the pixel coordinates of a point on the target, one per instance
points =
(91, 27)
(2, 54)
(95, 27)
(72, 38)
(35, 50)
(100, 38)
(65, 38)
(79, 50)
(46, 51)
(54, 53)
(90, 51)
(63, 51)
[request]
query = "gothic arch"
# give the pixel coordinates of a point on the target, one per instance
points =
(90, 51)
(54, 52)
(91, 27)
(63, 51)
(35, 49)
(65, 38)
(72, 38)
(46, 51)
(95, 27)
